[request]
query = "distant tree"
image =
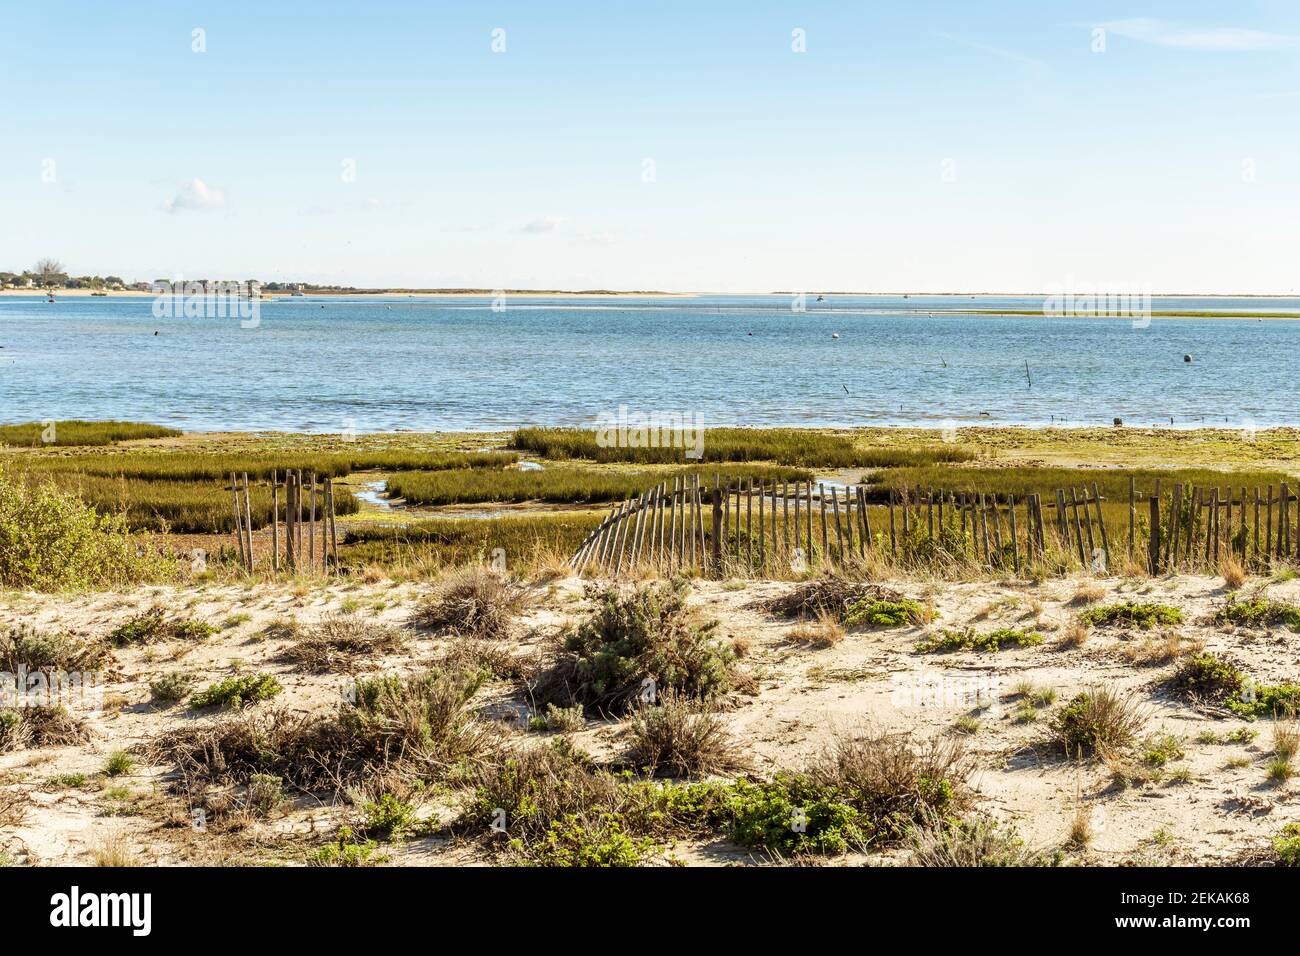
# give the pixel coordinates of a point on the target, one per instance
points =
(50, 272)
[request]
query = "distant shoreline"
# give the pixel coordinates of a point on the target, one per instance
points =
(607, 294)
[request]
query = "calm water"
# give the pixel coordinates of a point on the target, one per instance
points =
(372, 364)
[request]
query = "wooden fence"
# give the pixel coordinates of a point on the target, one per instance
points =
(308, 503)
(748, 526)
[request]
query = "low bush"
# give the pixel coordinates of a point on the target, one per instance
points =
(1259, 612)
(898, 613)
(24, 646)
(237, 692)
(679, 738)
(155, 625)
(639, 641)
(968, 639)
(828, 595)
(1143, 615)
(340, 640)
(474, 602)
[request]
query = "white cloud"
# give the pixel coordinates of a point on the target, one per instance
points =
(602, 238)
(1168, 33)
(545, 224)
(196, 194)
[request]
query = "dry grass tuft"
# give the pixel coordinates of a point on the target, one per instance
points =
(977, 841)
(1233, 574)
(1158, 651)
(474, 602)
(340, 640)
(1075, 634)
(114, 851)
(825, 631)
(679, 737)
(1087, 593)
(1099, 720)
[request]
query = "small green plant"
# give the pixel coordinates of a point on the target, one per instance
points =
(1287, 845)
(70, 781)
(388, 818)
(154, 625)
(971, 640)
(1205, 676)
(170, 688)
(346, 850)
(1142, 615)
(887, 614)
(1160, 749)
(1279, 770)
(119, 762)
(966, 724)
(582, 841)
(236, 692)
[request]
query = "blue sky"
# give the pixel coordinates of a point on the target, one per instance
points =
(924, 146)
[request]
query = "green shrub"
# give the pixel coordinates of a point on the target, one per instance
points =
(1287, 845)
(346, 850)
(587, 841)
(792, 814)
(1144, 615)
(24, 646)
(1266, 699)
(236, 692)
(1207, 677)
(154, 625)
(563, 720)
(634, 637)
(1160, 749)
(1259, 612)
(170, 688)
(388, 818)
(887, 613)
(51, 541)
(969, 639)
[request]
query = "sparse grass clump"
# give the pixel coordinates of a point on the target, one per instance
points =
(1097, 720)
(1259, 612)
(639, 640)
(1157, 651)
(888, 614)
(968, 639)
(347, 850)
(679, 738)
(340, 640)
(1143, 615)
(119, 762)
(474, 602)
(1230, 569)
(1160, 749)
(237, 692)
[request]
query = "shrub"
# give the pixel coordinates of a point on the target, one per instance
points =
(589, 841)
(977, 841)
(236, 692)
(474, 602)
(24, 646)
(828, 595)
(643, 634)
(1160, 749)
(1259, 612)
(887, 613)
(346, 850)
(793, 814)
(39, 727)
(679, 739)
(339, 640)
(1097, 720)
(560, 719)
(1140, 615)
(51, 541)
(1286, 845)
(423, 720)
(170, 688)
(1207, 677)
(388, 818)
(971, 640)
(154, 625)
(265, 793)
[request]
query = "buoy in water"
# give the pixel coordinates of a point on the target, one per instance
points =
(1187, 358)
(835, 335)
(1117, 421)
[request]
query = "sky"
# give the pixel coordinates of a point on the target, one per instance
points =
(686, 146)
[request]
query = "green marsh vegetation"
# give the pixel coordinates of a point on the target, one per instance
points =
(77, 432)
(560, 483)
(785, 446)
